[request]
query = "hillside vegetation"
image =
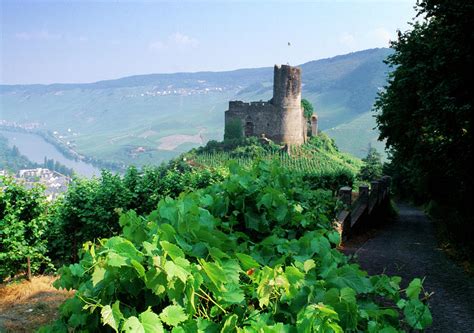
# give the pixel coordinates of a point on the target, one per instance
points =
(239, 245)
(151, 118)
(319, 158)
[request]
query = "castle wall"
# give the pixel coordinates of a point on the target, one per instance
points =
(281, 119)
(257, 118)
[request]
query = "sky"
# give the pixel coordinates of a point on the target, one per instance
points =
(73, 41)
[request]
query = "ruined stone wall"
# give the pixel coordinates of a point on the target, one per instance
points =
(257, 118)
(281, 119)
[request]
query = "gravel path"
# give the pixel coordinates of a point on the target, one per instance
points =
(408, 248)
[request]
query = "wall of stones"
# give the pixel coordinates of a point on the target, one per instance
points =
(257, 118)
(280, 119)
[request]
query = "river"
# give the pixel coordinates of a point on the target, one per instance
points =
(36, 149)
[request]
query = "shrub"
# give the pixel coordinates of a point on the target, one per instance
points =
(23, 225)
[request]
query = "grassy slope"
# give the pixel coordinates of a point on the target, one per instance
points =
(355, 136)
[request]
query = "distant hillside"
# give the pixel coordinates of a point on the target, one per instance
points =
(150, 118)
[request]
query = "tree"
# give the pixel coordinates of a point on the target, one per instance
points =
(233, 130)
(308, 111)
(372, 168)
(308, 108)
(425, 111)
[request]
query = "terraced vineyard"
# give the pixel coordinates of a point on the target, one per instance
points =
(317, 157)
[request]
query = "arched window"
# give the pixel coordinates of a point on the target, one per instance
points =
(249, 128)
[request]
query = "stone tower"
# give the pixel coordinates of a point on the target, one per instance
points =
(281, 119)
(287, 99)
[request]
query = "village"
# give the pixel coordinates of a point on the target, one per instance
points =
(53, 182)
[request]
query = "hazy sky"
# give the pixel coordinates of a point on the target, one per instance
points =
(86, 41)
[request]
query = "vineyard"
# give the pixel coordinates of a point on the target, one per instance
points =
(318, 161)
(254, 253)
(207, 244)
(317, 156)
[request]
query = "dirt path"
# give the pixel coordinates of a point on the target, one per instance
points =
(408, 248)
(25, 306)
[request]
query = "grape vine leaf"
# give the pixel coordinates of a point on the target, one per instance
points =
(151, 322)
(414, 289)
(98, 275)
(172, 315)
(111, 315)
(133, 325)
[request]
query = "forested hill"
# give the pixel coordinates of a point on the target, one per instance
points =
(149, 118)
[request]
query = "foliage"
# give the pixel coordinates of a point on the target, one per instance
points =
(372, 169)
(249, 147)
(308, 108)
(425, 111)
(233, 130)
(11, 159)
(254, 253)
(318, 161)
(90, 208)
(308, 111)
(23, 224)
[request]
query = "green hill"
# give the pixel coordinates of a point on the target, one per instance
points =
(151, 118)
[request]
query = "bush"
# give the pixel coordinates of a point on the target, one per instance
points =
(90, 208)
(23, 225)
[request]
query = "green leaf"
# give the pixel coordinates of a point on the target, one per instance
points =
(77, 270)
(98, 275)
(401, 303)
(349, 276)
(309, 265)
(247, 261)
(173, 270)
(133, 325)
(417, 314)
(232, 271)
(151, 322)
(281, 212)
(124, 248)
(112, 315)
(230, 324)
(139, 268)
(233, 294)
(172, 250)
(213, 271)
(334, 237)
(414, 289)
(266, 201)
(172, 315)
(116, 260)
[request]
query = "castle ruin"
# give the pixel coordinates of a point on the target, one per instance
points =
(281, 119)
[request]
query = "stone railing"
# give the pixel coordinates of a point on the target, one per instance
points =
(368, 204)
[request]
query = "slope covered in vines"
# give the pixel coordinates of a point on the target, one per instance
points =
(254, 253)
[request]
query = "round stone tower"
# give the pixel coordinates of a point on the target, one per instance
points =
(287, 99)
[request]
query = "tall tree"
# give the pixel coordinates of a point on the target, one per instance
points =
(425, 111)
